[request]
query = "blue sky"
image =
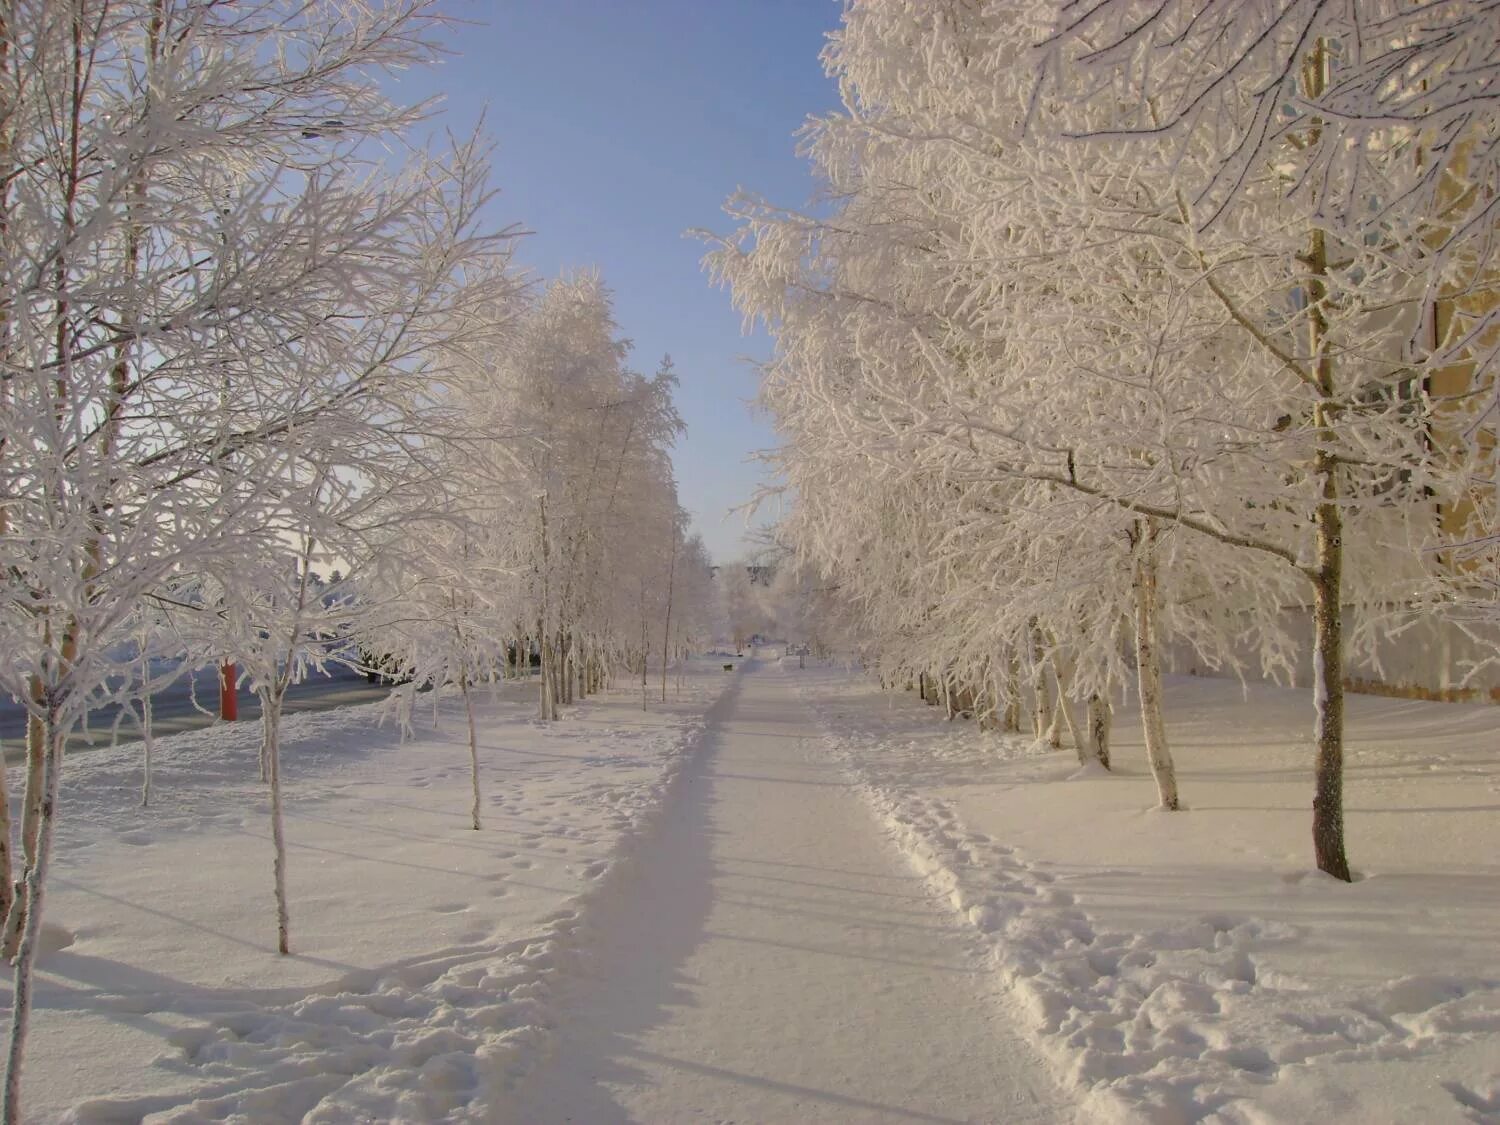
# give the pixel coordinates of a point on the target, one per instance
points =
(618, 126)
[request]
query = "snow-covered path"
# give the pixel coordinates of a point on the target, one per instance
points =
(775, 959)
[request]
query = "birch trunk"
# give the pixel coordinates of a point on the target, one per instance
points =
(1042, 710)
(31, 824)
(1041, 703)
(1063, 671)
(546, 689)
(44, 737)
(1013, 695)
(35, 883)
(548, 698)
(148, 740)
(1328, 696)
(1148, 665)
(463, 686)
(1328, 573)
(1054, 727)
(270, 718)
(645, 642)
(1099, 724)
(8, 892)
(542, 687)
(666, 630)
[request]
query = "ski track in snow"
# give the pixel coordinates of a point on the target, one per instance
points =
(1177, 1024)
(440, 1036)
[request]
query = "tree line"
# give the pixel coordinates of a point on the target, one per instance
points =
(1126, 324)
(253, 329)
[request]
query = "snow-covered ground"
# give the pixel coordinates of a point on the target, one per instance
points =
(1193, 966)
(424, 953)
(777, 960)
(689, 913)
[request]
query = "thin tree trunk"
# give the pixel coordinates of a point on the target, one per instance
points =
(265, 761)
(1013, 694)
(1328, 694)
(1062, 669)
(1080, 744)
(666, 629)
(548, 696)
(1099, 724)
(35, 886)
(1148, 665)
(31, 823)
(545, 688)
(580, 669)
(542, 687)
(270, 717)
(40, 734)
(8, 118)
(1058, 707)
(1327, 578)
(987, 698)
(463, 686)
(7, 891)
(645, 649)
(148, 740)
(1042, 710)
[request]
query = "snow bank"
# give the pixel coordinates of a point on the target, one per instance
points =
(1189, 966)
(426, 956)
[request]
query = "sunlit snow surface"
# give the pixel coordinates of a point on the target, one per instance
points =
(1173, 967)
(1194, 965)
(424, 953)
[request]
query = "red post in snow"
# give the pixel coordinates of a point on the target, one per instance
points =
(229, 700)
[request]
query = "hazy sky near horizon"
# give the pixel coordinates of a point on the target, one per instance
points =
(617, 127)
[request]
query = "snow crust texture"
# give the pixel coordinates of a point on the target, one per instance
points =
(426, 956)
(774, 959)
(1171, 971)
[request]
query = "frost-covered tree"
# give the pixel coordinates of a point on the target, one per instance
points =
(438, 584)
(1373, 125)
(594, 474)
(1027, 333)
(201, 264)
